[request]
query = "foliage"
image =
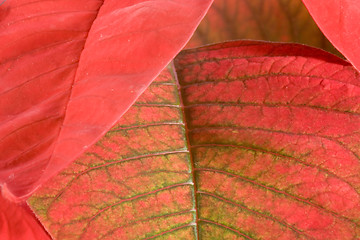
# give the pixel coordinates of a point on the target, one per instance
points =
(236, 140)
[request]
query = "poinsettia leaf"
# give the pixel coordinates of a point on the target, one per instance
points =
(253, 141)
(271, 20)
(23, 225)
(274, 131)
(339, 21)
(70, 69)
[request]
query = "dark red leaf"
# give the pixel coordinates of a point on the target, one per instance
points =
(339, 20)
(273, 140)
(70, 69)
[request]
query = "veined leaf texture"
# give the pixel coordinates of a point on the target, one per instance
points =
(243, 140)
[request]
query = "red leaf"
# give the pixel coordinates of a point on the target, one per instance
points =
(70, 69)
(22, 224)
(339, 21)
(272, 131)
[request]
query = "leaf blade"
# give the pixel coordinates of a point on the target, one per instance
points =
(267, 124)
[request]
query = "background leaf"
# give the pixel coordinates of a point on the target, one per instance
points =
(70, 69)
(272, 131)
(271, 20)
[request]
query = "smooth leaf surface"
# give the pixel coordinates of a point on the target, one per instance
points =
(273, 146)
(339, 21)
(271, 20)
(70, 69)
(23, 224)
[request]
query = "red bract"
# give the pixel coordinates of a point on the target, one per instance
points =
(17, 222)
(255, 140)
(339, 20)
(70, 69)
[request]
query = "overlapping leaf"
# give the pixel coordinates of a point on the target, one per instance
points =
(70, 69)
(271, 20)
(23, 224)
(273, 146)
(339, 21)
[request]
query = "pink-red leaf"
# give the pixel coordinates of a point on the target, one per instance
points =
(267, 149)
(274, 131)
(70, 69)
(339, 20)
